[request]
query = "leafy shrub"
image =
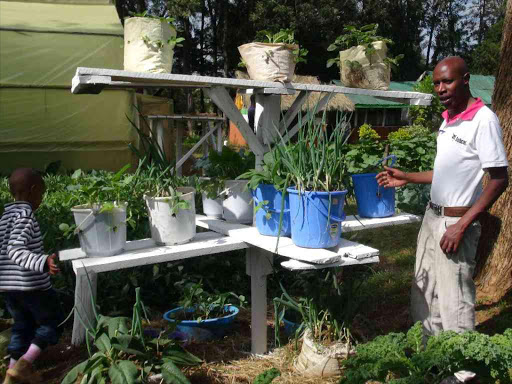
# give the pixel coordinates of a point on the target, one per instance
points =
(367, 133)
(403, 358)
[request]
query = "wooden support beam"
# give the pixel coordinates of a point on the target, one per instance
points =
(293, 112)
(266, 117)
(221, 98)
(194, 148)
(219, 137)
(322, 103)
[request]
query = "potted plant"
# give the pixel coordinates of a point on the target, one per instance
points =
(316, 179)
(272, 56)
(149, 43)
(321, 320)
(202, 315)
(220, 186)
(364, 161)
(101, 220)
(268, 186)
(363, 58)
(171, 207)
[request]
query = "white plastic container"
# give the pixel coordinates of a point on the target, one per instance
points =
(237, 207)
(167, 229)
(101, 234)
(211, 207)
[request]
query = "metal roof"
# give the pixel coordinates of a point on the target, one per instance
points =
(481, 86)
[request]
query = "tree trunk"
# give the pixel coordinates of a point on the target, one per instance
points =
(494, 269)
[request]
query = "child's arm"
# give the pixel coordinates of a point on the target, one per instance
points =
(21, 243)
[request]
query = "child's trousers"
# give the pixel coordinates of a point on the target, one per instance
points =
(36, 316)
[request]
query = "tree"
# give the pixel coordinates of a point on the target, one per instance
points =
(494, 268)
(485, 58)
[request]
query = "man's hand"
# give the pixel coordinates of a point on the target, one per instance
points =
(451, 239)
(392, 177)
(52, 267)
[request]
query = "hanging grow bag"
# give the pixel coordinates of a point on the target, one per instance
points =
(316, 218)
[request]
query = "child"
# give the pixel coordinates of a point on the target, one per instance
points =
(25, 278)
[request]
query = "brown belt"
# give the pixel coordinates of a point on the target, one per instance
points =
(448, 211)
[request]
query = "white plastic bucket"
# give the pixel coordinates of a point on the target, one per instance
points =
(167, 229)
(237, 207)
(212, 207)
(101, 234)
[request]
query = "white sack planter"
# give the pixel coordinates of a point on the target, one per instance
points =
(146, 47)
(374, 75)
(269, 62)
(167, 229)
(320, 361)
(101, 234)
(237, 207)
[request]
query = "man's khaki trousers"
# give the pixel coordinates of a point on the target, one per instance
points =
(443, 291)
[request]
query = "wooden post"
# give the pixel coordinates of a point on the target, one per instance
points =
(219, 136)
(84, 293)
(266, 118)
(204, 130)
(179, 146)
(258, 266)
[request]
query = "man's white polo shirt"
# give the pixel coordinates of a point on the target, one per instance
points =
(465, 147)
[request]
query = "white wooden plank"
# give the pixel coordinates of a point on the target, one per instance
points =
(185, 117)
(250, 235)
(222, 99)
(77, 253)
(356, 223)
(85, 290)
(218, 126)
(353, 250)
(296, 265)
(91, 80)
(267, 91)
(206, 243)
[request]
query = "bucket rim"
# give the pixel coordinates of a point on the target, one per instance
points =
(86, 208)
(295, 191)
(188, 192)
(233, 311)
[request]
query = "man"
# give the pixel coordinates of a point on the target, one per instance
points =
(469, 143)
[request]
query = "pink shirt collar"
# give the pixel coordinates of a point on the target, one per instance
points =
(468, 114)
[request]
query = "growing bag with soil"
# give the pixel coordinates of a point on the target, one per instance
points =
(146, 47)
(372, 73)
(269, 62)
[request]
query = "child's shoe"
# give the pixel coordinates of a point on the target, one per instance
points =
(23, 372)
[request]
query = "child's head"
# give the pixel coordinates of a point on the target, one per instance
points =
(27, 185)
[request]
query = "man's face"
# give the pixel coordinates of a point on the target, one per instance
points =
(450, 85)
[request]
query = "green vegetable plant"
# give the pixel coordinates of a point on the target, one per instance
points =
(316, 162)
(366, 36)
(267, 376)
(219, 167)
(119, 352)
(327, 311)
(283, 36)
(404, 358)
(205, 305)
(173, 41)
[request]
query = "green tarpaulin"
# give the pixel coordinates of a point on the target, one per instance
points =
(41, 45)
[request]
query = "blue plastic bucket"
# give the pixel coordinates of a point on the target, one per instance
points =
(313, 224)
(373, 200)
(270, 226)
(206, 329)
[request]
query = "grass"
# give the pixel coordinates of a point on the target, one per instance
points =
(385, 309)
